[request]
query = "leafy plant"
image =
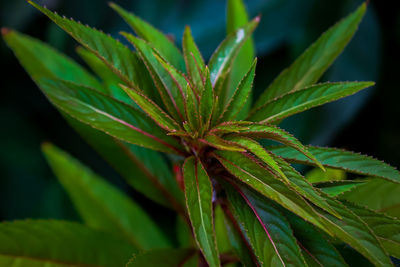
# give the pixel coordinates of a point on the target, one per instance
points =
(237, 201)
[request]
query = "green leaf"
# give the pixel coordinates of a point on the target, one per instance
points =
(341, 159)
(223, 58)
(240, 96)
(317, 175)
(192, 110)
(161, 257)
(315, 247)
(237, 17)
(195, 65)
(310, 66)
(268, 231)
(249, 172)
(115, 55)
(298, 101)
(41, 243)
(260, 130)
(377, 194)
(207, 101)
(147, 32)
(222, 144)
(199, 192)
(110, 80)
(255, 148)
(158, 115)
(304, 188)
(106, 114)
(387, 229)
(42, 61)
(102, 206)
(221, 231)
(336, 188)
(167, 86)
(134, 163)
(355, 232)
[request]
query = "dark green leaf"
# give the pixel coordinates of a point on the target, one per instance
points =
(222, 144)
(310, 66)
(40, 243)
(240, 96)
(192, 110)
(160, 42)
(257, 177)
(199, 192)
(161, 258)
(336, 188)
(267, 230)
(101, 205)
(294, 102)
(341, 159)
(207, 101)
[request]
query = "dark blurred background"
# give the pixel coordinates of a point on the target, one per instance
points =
(368, 122)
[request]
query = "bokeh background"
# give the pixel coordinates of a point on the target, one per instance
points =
(368, 122)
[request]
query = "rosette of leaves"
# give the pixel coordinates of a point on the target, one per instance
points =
(237, 201)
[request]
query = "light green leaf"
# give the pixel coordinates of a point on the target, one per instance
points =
(158, 115)
(102, 206)
(41, 243)
(249, 172)
(315, 247)
(115, 55)
(266, 131)
(199, 192)
(317, 175)
(195, 65)
(42, 61)
(161, 258)
(222, 144)
(147, 32)
(240, 96)
(223, 58)
(237, 17)
(341, 159)
(377, 194)
(336, 188)
(310, 66)
(387, 229)
(291, 103)
(267, 230)
(106, 114)
(355, 232)
(221, 231)
(168, 87)
(134, 163)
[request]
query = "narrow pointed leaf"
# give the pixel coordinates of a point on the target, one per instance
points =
(352, 230)
(118, 57)
(301, 100)
(376, 194)
(240, 96)
(108, 115)
(134, 163)
(207, 101)
(161, 257)
(198, 192)
(160, 42)
(315, 246)
(101, 205)
(304, 188)
(336, 188)
(341, 159)
(259, 130)
(310, 66)
(267, 230)
(387, 229)
(250, 173)
(221, 231)
(237, 17)
(159, 116)
(167, 86)
(222, 144)
(192, 110)
(42, 243)
(195, 65)
(224, 56)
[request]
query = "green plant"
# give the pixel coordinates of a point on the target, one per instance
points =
(244, 201)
